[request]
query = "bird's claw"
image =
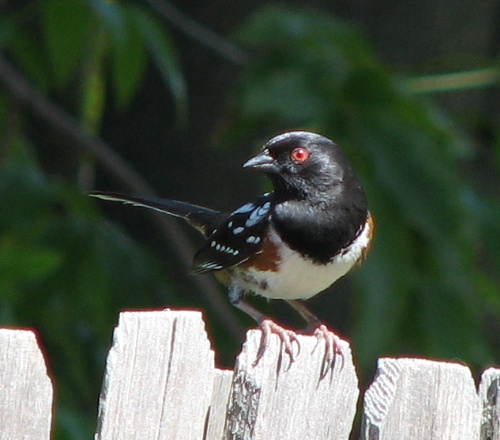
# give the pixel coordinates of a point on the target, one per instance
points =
(287, 338)
(333, 346)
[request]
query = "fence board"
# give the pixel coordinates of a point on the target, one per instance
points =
(277, 399)
(159, 378)
(220, 397)
(161, 383)
(489, 392)
(420, 400)
(25, 389)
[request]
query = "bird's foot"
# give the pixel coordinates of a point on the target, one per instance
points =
(334, 346)
(287, 338)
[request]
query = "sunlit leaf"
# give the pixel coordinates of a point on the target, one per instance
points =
(19, 263)
(111, 33)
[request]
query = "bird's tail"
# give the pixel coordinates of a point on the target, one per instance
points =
(203, 219)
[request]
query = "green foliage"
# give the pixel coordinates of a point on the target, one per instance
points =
(65, 40)
(163, 54)
(129, 59)
(84, 37)
(429, 281)
(67, 273)
(422, 288)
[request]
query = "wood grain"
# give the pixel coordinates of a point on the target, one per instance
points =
(25, 389)
(420, 399)
(489, 392)
(279, 399)
(159, 378)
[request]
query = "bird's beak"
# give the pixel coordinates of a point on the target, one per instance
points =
(262, 162)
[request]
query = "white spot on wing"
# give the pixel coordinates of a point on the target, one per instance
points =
(211, 266)
(257, 214)
(253, 239)
(264, 209)
(245, 208)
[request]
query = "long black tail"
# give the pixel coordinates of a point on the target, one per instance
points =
(203, 219)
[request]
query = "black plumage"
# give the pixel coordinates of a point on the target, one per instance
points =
(291, 243)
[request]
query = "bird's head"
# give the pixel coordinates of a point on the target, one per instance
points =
(304, 164)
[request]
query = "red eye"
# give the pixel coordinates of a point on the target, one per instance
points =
(300, 154)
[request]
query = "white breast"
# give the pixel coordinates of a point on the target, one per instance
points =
(299, 277)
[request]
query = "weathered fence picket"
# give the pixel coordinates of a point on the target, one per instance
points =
(417, 398)
(25, 388)
(159, 378)
(489, 392)
(276, 399)
(161, 383)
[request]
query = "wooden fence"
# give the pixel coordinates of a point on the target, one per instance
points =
(161, 383)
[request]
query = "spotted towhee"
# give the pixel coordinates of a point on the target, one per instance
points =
(289, 244)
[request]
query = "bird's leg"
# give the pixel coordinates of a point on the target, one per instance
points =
(267, 326)
(333, 344)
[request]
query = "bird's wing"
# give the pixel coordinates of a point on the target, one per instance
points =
(237, 239)
(204, 219)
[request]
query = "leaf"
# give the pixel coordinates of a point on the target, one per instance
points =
(315, 36)
(111, 15)
(286, 94)
(32, 60)
(274, 24)
(93, 92)
(22, 263)
(129, 59)
(65, 26)
(164, 56)
(112, 32)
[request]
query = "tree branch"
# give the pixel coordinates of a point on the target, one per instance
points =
(199, 32)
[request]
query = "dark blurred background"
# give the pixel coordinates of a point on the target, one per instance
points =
(149, 96)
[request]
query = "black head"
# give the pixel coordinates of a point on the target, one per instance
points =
(304, 164)
(321, 205)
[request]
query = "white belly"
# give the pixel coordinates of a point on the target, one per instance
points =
(300, 278)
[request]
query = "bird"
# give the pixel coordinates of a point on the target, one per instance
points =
(289, 244)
